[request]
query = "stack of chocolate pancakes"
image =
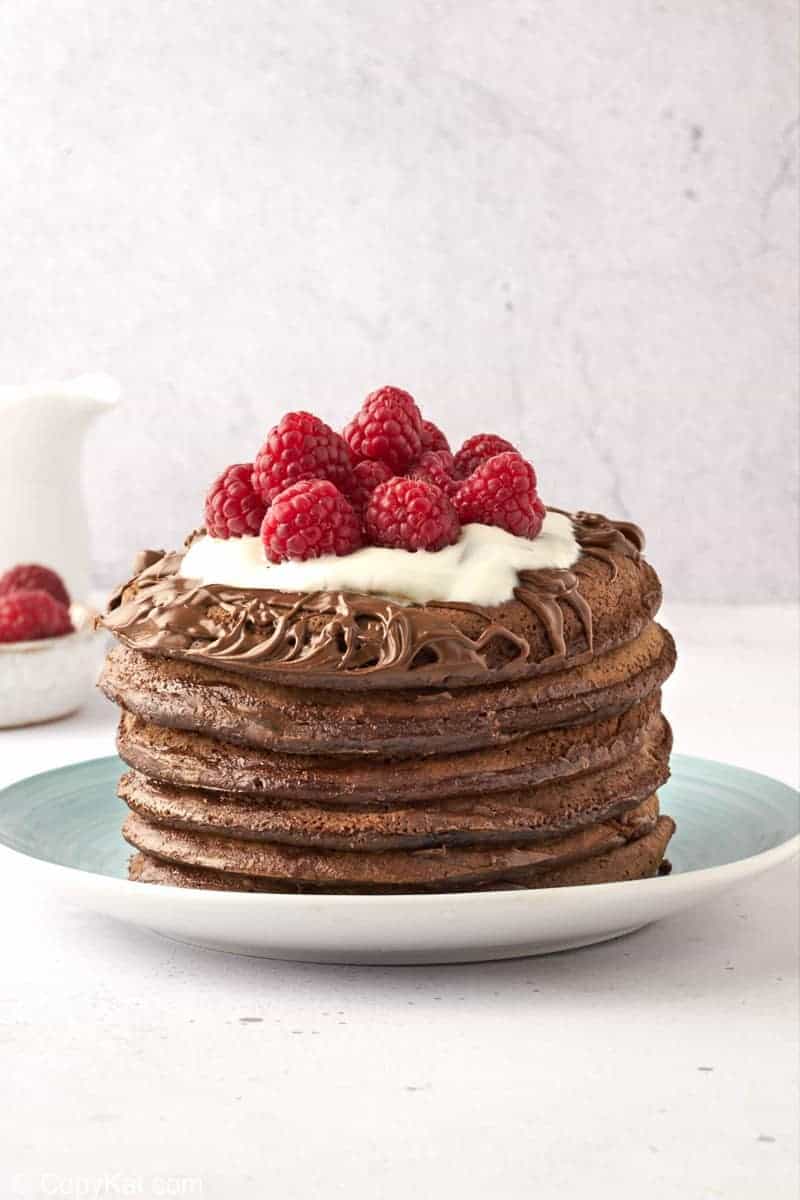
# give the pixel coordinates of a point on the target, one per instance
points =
(347, 743)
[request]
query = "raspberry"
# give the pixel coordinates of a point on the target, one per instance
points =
(436, 467)
(477, 450)
(232, 507)
(309, 519)
(30, 577)
(301, 447)
(501, 492)
(28, 616)
(388, 428)
(432, 437)
(410, 514)
(367, 474)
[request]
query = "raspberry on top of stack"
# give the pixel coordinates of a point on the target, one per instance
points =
(389, 480)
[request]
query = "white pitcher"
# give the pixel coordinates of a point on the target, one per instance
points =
(42, 514)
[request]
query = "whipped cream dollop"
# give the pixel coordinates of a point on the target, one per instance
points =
(481, 568)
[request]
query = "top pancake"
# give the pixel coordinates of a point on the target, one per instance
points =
(556, 619)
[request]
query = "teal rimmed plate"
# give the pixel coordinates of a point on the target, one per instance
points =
(732, 824)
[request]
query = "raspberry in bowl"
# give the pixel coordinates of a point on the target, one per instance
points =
(385, 665)
(47, 647)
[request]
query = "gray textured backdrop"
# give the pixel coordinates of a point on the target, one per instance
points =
(573, 223)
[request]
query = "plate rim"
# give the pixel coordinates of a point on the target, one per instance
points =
(749, 865)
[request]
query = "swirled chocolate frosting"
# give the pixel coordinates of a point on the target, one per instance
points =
(344, 640)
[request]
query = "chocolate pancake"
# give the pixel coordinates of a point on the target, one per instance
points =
(439, 869)
(556, 620)
(260, 713)
(546, 810)
(197, 760)
(341, 742)
(638, 859)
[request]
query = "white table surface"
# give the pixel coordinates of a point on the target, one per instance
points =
(664, 1064)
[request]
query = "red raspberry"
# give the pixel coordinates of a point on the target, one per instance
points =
(432, 437)
(436, 467)
(232, 507)
(477, 450)
(309, 519)
(30, 577)
(301, 447)
(388, 428)
(501, 492)
(410, 514)
(53, 615)
(29, 616)
(368, 474)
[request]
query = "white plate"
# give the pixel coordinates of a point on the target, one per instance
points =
(731, 824)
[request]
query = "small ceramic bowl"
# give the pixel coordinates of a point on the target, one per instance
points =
(49, 678)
